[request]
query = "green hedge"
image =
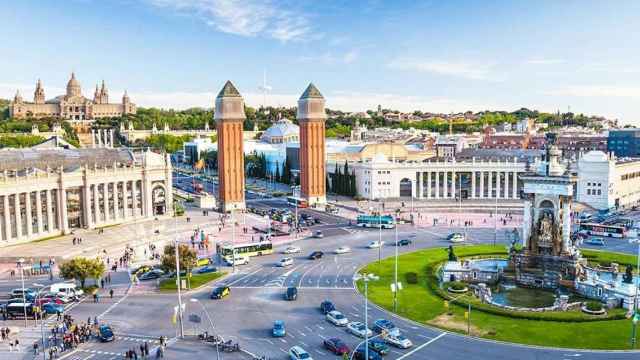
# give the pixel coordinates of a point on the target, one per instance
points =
(412, 278)
(594, 305)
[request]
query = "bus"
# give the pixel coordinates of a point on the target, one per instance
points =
(614, 230)
(294, 201)
(247, 249)
(384, 221)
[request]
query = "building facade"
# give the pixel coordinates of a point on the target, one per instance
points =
(624, 142)
(50, 192)
(72, 105)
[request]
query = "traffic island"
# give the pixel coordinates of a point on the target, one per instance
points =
(194, 282)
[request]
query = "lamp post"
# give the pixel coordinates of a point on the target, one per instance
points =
(233, 240)
(380, 235)
(24, 300)
(177, 244)
(366, 278)
(42, 287)
(395, 270)
(206, 312)
(634, 319)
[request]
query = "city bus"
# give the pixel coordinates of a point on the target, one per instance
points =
(384, 221)
(614, 230)
(294, 201)
(246, 249)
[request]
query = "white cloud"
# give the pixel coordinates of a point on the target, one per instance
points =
(596, 91)
(543, 61)
(331, 58)
(467, 70)
(245, 17)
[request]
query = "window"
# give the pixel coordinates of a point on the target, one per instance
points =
(599, 192)
(588, 191)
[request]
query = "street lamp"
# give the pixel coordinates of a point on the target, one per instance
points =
(365, 278)
(395, 287)
(42, 287)
(177, 244)
(634, 319)
(24, 300)
(206, 312)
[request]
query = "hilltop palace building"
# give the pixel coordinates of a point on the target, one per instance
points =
(72, 106)
(47, 192)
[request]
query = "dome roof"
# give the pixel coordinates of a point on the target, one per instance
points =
(595, 156)
(282, 128)
(73, 86)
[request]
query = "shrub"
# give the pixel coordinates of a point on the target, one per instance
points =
(594, 305)
(412, 278)
(455, 285)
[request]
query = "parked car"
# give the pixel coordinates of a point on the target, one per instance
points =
(207, 269)
(220, 292)
(343, 250)
(298, 353)
(105, 333)
(456, 237)
(17, 293)
(327, 306)
(336, 318)
(379, 346)
(52, 308)
(291, 294)
(383, 324)
(399, 341)
(278, 329)
(318, 234)
(594, 241)
(336, 346)
(359, 354)
(375, 244)
(404, 242)
(285, 262)
(359, 329)
(141, 270)
(153, 274)
(316, 255)
(292, 250)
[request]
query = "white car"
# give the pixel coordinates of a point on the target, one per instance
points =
(238, 260)
(375, 244)
(298, 353)
(285, 262)
(292, 250)
(336, 318)
(359, 329)
(456, 238)
(399, 341)
(343, 250)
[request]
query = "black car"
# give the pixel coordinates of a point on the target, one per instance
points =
(359, 354)
(327, 306)
(153, 274)
(316, 255)
(404, 242)
(291, 294)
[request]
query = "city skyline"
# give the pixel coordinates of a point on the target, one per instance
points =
(434, 57)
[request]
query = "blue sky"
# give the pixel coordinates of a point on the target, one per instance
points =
(439, 56)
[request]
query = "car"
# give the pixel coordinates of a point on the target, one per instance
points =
(315, 255)
(105, 333)
(207, 269)
(343, 250)
(291, 294)
(359, 329)
(292, 250)
(220, 292)
(17, 293)
(237, 260)
(336, 346)
(326, 307)
(141, 270)
(58, 298)
(404, 242)
(385, 325)
(399, 341)
(298, 353)
(316, 220)
(456, 237)
(53, 308)
(318, 234)
(375, 244)
(379, 346)
(594, 241)
(336, 318)
(153, 274)
(285, 262)
(203, 262)
(278, 329)
(359, 354)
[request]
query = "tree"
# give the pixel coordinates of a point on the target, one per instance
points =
(20, 141)
(81, 269)
(352, 188)
(277, 175)
(187, 255)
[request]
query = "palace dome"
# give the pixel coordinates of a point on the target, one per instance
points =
(73, 86)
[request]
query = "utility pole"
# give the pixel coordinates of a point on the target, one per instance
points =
(395, 272)
(177, 244)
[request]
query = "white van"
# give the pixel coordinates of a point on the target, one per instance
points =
(239, 260)
(68, 289)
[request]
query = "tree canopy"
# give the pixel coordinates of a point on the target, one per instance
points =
(81, 269)
(187, 255)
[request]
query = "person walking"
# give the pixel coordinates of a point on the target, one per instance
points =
(111, 293)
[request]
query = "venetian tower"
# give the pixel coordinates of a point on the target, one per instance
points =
(229, 117)
(311, 118)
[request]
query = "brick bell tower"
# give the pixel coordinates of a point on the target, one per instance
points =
(229, 117)
(311, 118)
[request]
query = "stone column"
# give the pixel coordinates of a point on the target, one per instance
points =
(116, 202)
(86, 200)
(473, 185)
(96, 204)
(429, 184)
(481, 189)
(453, 184)
(526, 223)
(93, 138)
(437, 185)
(498, 179)
(414, 184)
(125, 199)
(18, 215)
(566, 225)
(105, 203)
(49, 212)
(39, 211)
(490, 185)
(169, 185)
(7, 218)
(27, 197)
(134, 198)
(62, 203)
(110, 138)
(515, 184)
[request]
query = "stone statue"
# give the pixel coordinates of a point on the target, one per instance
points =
(452, 255)
(545, 228)
(627, 278)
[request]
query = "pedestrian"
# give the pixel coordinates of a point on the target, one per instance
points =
(10, 346)
(35, 348)
(17, 345)
(146, 348)
(142, 349)
(111, 293)
(74, 241)
(102, 283)
(59, 315)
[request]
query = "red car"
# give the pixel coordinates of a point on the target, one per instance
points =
(336, 346)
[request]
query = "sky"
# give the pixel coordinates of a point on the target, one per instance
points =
(437, 56)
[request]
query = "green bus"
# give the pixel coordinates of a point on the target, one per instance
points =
(384, 221)
(246, 249)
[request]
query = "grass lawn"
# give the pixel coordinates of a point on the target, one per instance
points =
(196, 281)
(421, 304)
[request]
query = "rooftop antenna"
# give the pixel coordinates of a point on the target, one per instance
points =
(265, 89)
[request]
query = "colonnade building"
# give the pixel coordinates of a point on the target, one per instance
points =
(50, 192)
(381, 178)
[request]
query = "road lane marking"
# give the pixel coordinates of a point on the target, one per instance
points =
(421, 346)
(424, 336)
(308, 328)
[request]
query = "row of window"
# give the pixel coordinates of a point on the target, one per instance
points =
(594, 192)
(630, 176)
